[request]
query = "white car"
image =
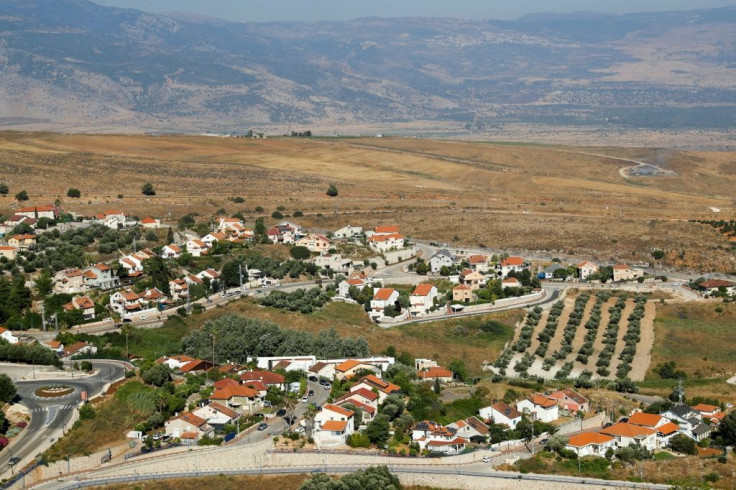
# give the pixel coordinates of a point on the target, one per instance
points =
(305, 398)
(144, 317)
(486, 459)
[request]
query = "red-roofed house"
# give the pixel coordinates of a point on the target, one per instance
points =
(333, 425)
(216, 414)
(22, 241)
(382, 298)
(570, 400)
(501, 413)
(462, 294)
(82, 303)
(125, 301)
(174, 362)
(212, 238)
(422, 299)
(179, 289)
(347, 369)
(437, 438)
(651, 420)
(381, 387)
(315, 243)
(473, 279)
(591, 444)
(44, 211)
(188, 427)
(478, 263)
(8, 252)
(586, 269)
(542, 408)
(511, 264)
(197, 247)
(622, 272)
(268, 378)
(149, 222)
(343, 289)
(626, 434)
(239, 397)
(716, 285)
(435, 372)
(470, 427)
(323, 370)
(171, 251)
(510, 282)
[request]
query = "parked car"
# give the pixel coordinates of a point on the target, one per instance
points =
(13, 461)
(144, 317)
(262, 426)
(305, 398)
(323, 382)
(311, 393)
(281, 413)
(328, 387)
(313, 378)
(486, 459)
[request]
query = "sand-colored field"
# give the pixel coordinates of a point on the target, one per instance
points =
(511, 196)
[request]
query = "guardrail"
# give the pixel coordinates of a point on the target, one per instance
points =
(22, 474)
(349, 469)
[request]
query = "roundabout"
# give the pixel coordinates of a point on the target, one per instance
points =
(54, 391)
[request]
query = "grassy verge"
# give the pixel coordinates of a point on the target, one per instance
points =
(113, 417)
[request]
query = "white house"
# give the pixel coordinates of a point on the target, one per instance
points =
(48, 211)
(511, 264)
(333, 425)
(437, 438)
(187, 427)
(586, 269)
(591, 444)
(197, 247)
(69, 281)
(100, 276)
(422, 299)
(510, 282)
(622, 272)
(8, 336)
(441, 259)
(436, 372)
(343, 288)
(473, 279)
(384, 243)
(335, 263)
(230, 224)
(8, 252)
(469, 428)
(478, 263)
(323, 370)
(541, 407)
(382, 298)
(501, 413)
(626, 434)
(216, 414)
(348, 232)
(373, 383)
(151, 223)
(171, 251)
(315, 243)
(125, 301)
(82, 303)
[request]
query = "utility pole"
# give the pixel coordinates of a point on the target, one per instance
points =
(43, 317)
(240, 274)
(679, 390)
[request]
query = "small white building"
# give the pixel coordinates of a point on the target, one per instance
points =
(171, 251)
(511, 264)
(437, 438)
(348, 232)
(586, 269)
(441, 259)
(591, 444)
(541, 407)
(422, 299)
(622, 272)
(384, 243)
(8, 336)
(626, 434)
(343, 289)
(501, 413)
(332, 426)
(315, 243)
(197, 247)
(382, 298)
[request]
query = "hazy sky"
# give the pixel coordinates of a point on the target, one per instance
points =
(308, 10)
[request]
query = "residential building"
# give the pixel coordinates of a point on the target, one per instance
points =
(511, 264)
(69, 281)
(542, 408)
(22, 242)
(54, 345)
(369, 411)
(197, 247)
(216, 414)
(174, 362)
(715, 286)
(422, 299)
(651, 420)
(586, 269)
(501, 413)
(348, 232)
(471, 428)
(125, 301)
(666, 432)
(683, 415)
(82, 303)
(362, 396)
(384, 243)
(441, 259)
(334, 262)
(315, 243)
(381, 387)
(78, 348)
(284, 232)
(437, 372)
(8, 336)
(549, 271)
(510, 282)
(332, 426)
(570, 400)
(239, 397)
(266, 377)
(323, 370)
(211, 239)
(171, 251)
(473, 279)
(348, 369)
(462, 294)
(100, 276)
(210, 274)
(478, 263)
(150, 223)
(437, 438)
(343, 289)
(48, 211)
(706, 411)
(626, 434)
(382, 230)
(179, 289)
(287, 363)
(188, 427)
(382, 298)
(622, 272)
(591, 444)
(8, 252)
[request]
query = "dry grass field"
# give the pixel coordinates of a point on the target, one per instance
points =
(511, 196)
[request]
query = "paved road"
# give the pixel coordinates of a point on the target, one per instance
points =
(50, 415)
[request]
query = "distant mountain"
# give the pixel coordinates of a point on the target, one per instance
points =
(75, 65)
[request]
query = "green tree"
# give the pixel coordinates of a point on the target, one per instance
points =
(4, 189)
(332, 190)
(378, 430)
(151, 236)
(44, 283)
(160, 274)
(259, 231)
(683, 444)
(21, 196)
(72, 192)
(170, 236)
(86, 412)
(231, 273)
(658, 254)
(374, 478)
(7, 389)
(277, 215)
(727, 429)
(157, 375)
(457, 366)
(148, 190)
(300, 253)
(422, 268)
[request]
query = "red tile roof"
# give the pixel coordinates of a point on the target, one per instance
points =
(224, 410)
(716, 283)
(422, 289)
(337, 409)
(386, 229)
(512, 261)
(224, 383)
(379, 384)
(645, 419)
(383, 294)
(190, 418)
(586, 438)
(477, 259)
(435, 372)
(542, 401)
(335, 425)
(668, 428)
(347, 365)
(267, 377)
(627, 430)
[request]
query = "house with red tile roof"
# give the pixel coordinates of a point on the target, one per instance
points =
(216, 414)
(332, 426)
(69, 281)
(323, 369)
(197, 247)
(43, 211)
(501, 413)
(82, 303)
(478, 262)
(651, 420)
(239, 397)
(382, 298)
(462, 294)
(151, 223)
(179, 289)
(510, 282)
(78, 348)
(125, 301)
(268, 378)
(586, 269)
(437, 438)
(197, 366)
(570, 400)
(422, 299)
(8, 252)
(470, 428)
(591, 444)
(369, 411)
(435, 372)
(315, 243)
(382, 388)
(622, 272)
(54, 345)
(715, 285)
(541, 408)
(188, 427)
(385, 243)
(174, 362)
(171, 251)
(22, 242)
(626, 434)
(211, 239)
(511, 264)
(473, 279)
(348, 369)
(343, 289)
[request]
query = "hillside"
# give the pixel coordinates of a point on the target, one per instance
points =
(77, 66)
(523, 197)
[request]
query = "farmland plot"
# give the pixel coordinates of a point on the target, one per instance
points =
(600, 335)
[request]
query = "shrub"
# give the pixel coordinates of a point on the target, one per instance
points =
(148, 190)
(298, 214)
(72, 192)
(357, 439)
(22, 196)
(277, 215)
(332, 190)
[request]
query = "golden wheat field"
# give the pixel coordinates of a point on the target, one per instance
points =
(511, 196)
